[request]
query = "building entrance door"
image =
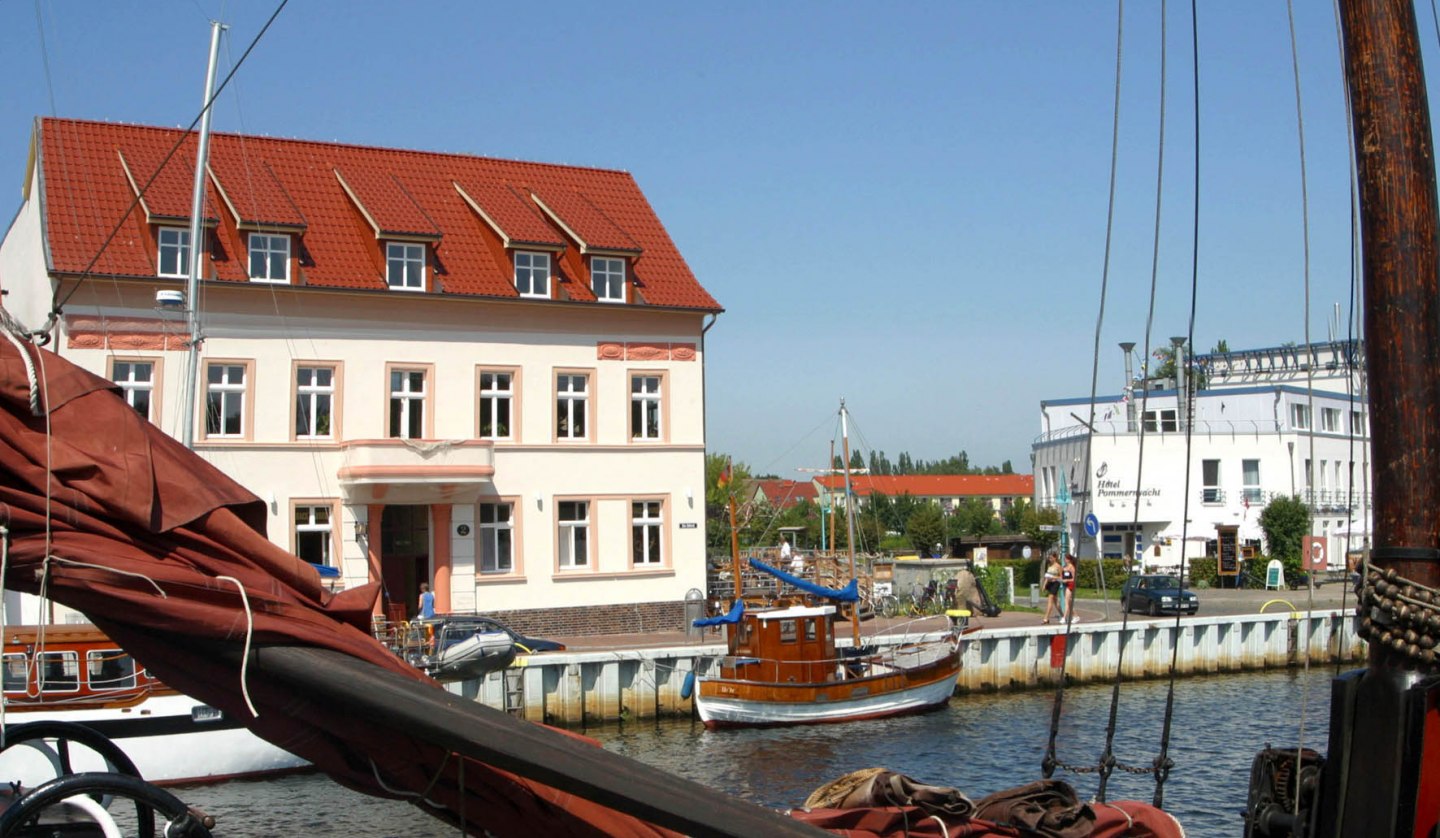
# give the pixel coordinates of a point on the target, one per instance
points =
(404, 558)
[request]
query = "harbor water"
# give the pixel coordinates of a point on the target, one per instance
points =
(979, 744)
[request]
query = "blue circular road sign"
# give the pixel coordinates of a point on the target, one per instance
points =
(1092, 525)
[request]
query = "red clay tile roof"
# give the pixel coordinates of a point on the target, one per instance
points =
(86, 192)
(937, 485)
(513, 212)
(783, 494)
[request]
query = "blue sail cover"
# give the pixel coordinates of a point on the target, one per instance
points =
(732, 617)
(849, 593)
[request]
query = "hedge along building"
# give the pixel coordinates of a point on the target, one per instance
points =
(486, 374)
(1260, 424)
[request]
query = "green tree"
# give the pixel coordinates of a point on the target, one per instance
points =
(925, 527)
(1285, 522)
(977, 517)
(717, 499)
(1014, 515)
(1046, 516)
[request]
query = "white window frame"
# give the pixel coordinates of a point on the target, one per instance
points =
(173, 244)
(497, 399)
(491, 562)
(572, 554)
(69, 666)
(607, 279)
(1299, 416)
(95, 659)
(1210, 491)
(405, 266)
(1251, 489)
(647, 533)
(312, 525)
(1330, 419)
(1162, 420)
(273, 251)
(1357, 422)
(645, 403)
(531, 266)
(222, 394)
(570, 403)
(308, 398)
(413, 426)
(131, 386)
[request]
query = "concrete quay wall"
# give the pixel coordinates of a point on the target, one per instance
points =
(576, 689)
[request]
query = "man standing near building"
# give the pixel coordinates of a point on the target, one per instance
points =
(427, 602)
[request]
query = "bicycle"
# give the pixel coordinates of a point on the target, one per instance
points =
(885, 603)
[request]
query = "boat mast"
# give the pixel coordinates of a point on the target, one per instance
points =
(1396, 167)
(849, 517)
(197, 247)
(1379, 777)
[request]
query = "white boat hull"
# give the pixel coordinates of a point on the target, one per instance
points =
(172, 739)
(725, 711)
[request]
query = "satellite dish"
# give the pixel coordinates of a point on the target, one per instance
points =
(1027, 552)
(170, 299)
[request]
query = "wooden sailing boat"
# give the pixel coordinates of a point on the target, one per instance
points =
(783, 665)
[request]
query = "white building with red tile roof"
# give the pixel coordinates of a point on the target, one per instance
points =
(482, 373)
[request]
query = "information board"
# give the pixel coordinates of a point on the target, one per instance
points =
(1227, 550)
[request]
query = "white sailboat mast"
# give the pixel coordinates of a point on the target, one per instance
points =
(197, 246)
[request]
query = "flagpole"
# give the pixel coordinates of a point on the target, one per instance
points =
(725, 480)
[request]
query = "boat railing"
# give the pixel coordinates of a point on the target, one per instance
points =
(918, 652)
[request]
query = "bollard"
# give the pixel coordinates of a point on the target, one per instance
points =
(694, 610)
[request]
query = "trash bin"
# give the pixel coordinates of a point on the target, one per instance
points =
(1034, 595)
(694, 610)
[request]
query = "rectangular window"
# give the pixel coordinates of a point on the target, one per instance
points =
(1300, 417)
(1330, 419)
(1357, 423)
(137, 383)
(314, 402)
(1162, 421)
(497, 538)
(497, 393)
(59, 672)
(1210, 477)
(607, 279)
(405, 266)
(646, 528)
(225, 400)
(174, 251)
(532, 273)
(574, 517)
(269, 258)
(1250, 479)
(315, 534)
(109, 669)
(645, 407)
(407, 404)
(571, 405)
(16, 673)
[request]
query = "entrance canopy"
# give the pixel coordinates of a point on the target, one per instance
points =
(410, 471)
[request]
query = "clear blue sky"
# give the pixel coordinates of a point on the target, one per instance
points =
(901, 204)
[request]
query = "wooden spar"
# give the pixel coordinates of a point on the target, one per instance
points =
(570, 764)
(849, 520)
(1395, 161)
(734, 544)
(833, 539)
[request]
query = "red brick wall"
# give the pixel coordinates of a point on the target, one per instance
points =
(635, 618)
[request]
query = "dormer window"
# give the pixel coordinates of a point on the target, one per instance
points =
(174, 251)
(532, 273)
(405, 266)
(607, 279)
(269, 258)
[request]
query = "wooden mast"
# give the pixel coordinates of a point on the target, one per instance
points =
(849, 519)
(1381, 776)
(1396, 166)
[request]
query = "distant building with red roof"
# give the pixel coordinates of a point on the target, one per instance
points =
(948, 490)
(782, 494)
(482, 373)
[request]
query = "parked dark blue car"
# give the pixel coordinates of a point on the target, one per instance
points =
(1157, 594)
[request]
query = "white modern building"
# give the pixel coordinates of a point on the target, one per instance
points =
(484, 374)
(1166, 465)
